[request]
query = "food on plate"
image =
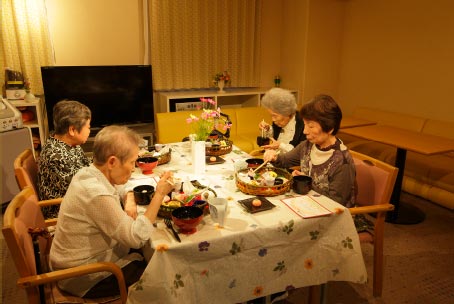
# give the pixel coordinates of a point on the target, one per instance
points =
(212, 158)
(256, 202)
(172, 204)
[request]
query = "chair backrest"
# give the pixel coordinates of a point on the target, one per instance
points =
(172, 126)
(26, 170)
(375, 180)
(22, 213)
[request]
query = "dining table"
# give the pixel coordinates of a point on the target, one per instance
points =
(403, 140)
(252, 254)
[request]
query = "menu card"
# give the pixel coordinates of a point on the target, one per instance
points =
(306, 206)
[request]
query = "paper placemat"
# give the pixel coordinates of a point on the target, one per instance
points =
(306, 206)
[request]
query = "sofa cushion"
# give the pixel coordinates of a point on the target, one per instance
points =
(172, 126)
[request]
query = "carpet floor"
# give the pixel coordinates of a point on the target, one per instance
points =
(419, 265)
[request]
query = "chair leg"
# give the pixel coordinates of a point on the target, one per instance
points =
(378, 254)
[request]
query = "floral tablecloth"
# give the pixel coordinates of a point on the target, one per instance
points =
(253, 254)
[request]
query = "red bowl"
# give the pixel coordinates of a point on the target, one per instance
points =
(187, 218)
(147, 164)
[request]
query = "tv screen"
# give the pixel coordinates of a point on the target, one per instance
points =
(121, 94)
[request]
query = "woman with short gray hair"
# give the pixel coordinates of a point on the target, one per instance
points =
(287, 129)
(62, 156)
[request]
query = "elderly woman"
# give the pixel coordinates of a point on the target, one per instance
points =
(322, 156)
(62, 156)
(287, 129)
(92, 226)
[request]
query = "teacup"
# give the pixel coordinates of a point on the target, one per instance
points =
(218, 209)
(302, 184)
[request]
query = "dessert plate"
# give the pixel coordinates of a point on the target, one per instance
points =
(247, 204)
(214, 160)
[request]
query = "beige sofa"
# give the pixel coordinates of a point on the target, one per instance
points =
(430, 177)
(172, 126)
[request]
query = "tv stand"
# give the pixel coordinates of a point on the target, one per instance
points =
(145, 130)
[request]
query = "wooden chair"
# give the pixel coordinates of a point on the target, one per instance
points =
(26, 171)
(375, 180)
(23, 213)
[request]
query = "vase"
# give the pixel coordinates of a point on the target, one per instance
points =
(29, 97)
(221, 85)
(198, 157)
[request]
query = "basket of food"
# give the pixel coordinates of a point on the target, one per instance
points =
(267, 181)
(216, 148)
(164, 158)
(192, 193)
(164, 154)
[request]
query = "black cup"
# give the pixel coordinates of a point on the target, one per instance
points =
(263, 141)
(302, 184)
(143, 194)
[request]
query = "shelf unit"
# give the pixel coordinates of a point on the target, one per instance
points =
(38, 125)
(181, 100)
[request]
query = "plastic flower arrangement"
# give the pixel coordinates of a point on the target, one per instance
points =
(221, 76)
(209, 120)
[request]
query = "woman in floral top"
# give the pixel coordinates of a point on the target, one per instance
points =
(62, 156)
(322, 155)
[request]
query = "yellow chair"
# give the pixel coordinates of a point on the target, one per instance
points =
(172, 127)
(247, 127)
(26, 172)
(375, 180)
(23, 213)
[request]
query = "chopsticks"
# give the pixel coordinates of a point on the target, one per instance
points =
(265, 162)
(262, 129)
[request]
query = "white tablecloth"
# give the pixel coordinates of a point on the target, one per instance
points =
(253, 255)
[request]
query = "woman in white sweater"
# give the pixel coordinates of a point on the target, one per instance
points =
(92, 225)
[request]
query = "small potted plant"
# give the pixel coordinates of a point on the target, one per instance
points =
(221, 79)
(28, 96)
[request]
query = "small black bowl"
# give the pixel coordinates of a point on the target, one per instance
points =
(143, 194)
(254, 162)
(278, 181)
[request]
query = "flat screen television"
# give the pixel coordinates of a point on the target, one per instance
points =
(120, 94)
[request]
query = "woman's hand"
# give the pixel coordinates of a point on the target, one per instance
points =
(165, 184)
(130, 205)
(274, 144)
(270, 155)
(296, 173)
(264, 126)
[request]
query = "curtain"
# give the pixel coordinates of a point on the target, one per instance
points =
(25, 43)
(192, 40)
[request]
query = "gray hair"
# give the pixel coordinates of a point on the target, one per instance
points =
(114, 141)
(67, 113)
(280, 101)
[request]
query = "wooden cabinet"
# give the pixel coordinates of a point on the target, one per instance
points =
(172, 101)
(35, 118)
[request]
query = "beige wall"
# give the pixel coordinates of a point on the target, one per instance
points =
(270, 42)
(398, 55)
(395, 55)
(96, 32)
